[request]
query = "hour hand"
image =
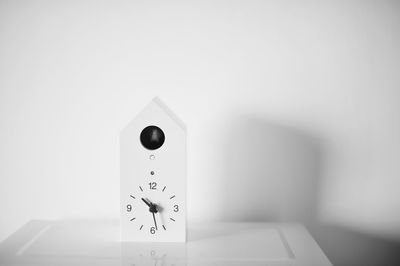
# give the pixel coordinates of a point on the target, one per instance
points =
(148, 203)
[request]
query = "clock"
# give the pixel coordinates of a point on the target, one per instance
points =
(153, 176)
(153, 209)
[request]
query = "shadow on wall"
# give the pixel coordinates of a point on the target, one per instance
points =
(273, 172)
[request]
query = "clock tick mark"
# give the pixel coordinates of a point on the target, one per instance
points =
(133, 219)
(132, 197)
(164, 227)
(164, 189)
(141, 227)
(172, 219)
(172, 197)
(141, 188)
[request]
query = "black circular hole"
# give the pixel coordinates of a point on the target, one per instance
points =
(152, 137)
(152, 172)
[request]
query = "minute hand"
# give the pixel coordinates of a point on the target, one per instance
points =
(155, 223)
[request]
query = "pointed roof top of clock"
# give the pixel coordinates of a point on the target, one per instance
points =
(166, 109)
(155, 113)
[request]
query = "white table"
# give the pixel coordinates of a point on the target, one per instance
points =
(97, 243)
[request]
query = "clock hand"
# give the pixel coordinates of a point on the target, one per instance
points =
(152, 209)
(148, 203)
(154, 218)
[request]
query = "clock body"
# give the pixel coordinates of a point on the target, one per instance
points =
(153, 176)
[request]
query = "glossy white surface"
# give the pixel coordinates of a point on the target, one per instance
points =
(97, 243)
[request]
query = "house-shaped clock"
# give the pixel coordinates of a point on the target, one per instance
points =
(153, 176)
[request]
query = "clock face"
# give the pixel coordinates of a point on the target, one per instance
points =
(153, 209)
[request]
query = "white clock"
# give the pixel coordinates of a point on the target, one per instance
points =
(153, 176)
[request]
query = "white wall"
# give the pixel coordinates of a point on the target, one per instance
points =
(293, 108)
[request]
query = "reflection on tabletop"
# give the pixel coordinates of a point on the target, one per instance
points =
(96, 242)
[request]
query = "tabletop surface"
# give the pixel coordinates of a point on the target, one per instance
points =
(96, 242)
